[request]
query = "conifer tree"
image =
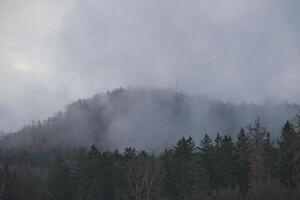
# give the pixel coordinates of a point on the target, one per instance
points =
(82, 181)
(187, 176)
(258, 136)
(228, 161)
(94, 174)
(243, 150)
(288, 145)
(270, 160)
(207, 155)
(60, 186)
(217, 175)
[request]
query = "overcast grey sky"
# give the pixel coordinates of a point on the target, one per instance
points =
(55, 51)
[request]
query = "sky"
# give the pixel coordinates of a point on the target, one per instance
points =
(53, 52)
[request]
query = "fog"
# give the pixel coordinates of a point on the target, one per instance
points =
(145, 119)
(54, 52)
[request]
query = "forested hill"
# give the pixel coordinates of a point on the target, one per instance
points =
(148, 119)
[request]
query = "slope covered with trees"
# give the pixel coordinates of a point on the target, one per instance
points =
(146, 119)
(249, 166)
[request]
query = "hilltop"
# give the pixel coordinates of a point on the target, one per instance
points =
(144, 118)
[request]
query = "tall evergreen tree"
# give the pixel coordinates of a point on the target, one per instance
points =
(207, 156)
(258, 136)
(187, 176)
(270, 160)
(217, 164)
(94, 174)
(224, 166)
(60, 186)
(297, 141)
(243, 150)
(228, 162)
(82, 180)
(288, 146)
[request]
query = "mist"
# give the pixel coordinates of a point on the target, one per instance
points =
(53, 52)
(149, 99)
(148, 119)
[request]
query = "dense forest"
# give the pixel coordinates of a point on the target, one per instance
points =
(249, 166)
(138, 144)
(143, 118)
(149, 100)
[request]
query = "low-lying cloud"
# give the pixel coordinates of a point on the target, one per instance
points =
(53, 52)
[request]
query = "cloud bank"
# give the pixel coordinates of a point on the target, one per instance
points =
(53, 52)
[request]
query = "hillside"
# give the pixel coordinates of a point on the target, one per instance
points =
(148, 119)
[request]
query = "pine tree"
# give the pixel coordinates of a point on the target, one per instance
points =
(167, 173)
(228, 162)
(297, 142)
(82, 180)
(270, 159)
(258, 136)
(217, 175)
(243, 150)
(184, 172)
(60, 186)
(95, 174)
(118, 174)
(288, 145)
(207, 156)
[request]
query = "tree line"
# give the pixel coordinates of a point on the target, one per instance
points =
(115, 119)
(252, 165)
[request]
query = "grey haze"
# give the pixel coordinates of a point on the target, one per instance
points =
(53, 52)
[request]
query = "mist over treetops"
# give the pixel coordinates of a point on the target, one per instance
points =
(144, 118)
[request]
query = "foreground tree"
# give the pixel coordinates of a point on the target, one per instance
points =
(228, 162)
(184, 175)
(270, 161)
(250, 168)
(288, 149)
(243, 150)
(60, 185)
(258, 136)
(207, 156)
(81, 176)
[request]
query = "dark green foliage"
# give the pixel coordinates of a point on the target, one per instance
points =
(220, 159)
(98, 175)
(288, 152)
(227, 163)
(270, 161)
(207, 155)
(60, 186)
(81, 176)
(21, 182)
(258, 137)
(224, 168)
(184, 175)
(243, 150)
